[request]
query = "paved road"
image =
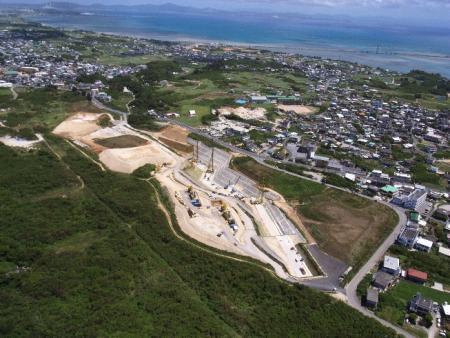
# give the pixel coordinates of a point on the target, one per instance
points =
(350, 289)
(99, 105)
(331, 282)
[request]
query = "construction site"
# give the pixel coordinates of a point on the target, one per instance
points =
(214, 204)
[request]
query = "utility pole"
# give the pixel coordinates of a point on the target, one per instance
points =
(196, 153)
(211, 162)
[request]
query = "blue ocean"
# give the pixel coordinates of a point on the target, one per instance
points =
(378, 44)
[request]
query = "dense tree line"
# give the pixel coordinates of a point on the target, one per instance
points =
(104, 262)
(418, 81)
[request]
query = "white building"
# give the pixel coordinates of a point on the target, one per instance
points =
(423, 244)
(391, 265)
(415, 199)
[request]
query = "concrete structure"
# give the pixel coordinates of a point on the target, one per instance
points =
(258, 99)
(391, 265)
(423, 244)
(416, 199)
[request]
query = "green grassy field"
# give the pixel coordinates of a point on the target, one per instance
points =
(336, 219)
(128, 60)
(104, 262)
(5, 94)
(123, 141)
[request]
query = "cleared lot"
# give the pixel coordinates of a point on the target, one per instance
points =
(345, 226)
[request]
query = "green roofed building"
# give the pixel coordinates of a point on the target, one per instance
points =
(389, 189)
(414, 216)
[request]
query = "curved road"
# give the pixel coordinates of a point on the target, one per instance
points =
(350, 288)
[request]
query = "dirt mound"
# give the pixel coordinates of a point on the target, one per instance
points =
(78, 125)
(127, 160)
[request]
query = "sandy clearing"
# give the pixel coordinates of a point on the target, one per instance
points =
(127, 160)
(20, 143)
(175, 133)
(298, 109)
(245, 113)
(78, 125)
(105, 133)
(175, 137)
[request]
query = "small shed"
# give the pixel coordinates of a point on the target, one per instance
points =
(416, 276)
(372, 297)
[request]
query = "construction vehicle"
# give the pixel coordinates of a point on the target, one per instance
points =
(192, 193)
(194, 197)
(191, 213)
(178, 197)
(196, 203)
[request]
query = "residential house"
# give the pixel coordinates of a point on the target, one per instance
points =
(383, 280)
(423, 244)
(420, 305)
(408, 237)
(416, 199)
(391, 265)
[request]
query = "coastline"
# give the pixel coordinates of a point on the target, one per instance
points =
(399, 61)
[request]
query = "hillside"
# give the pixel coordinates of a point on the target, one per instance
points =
(96, 257)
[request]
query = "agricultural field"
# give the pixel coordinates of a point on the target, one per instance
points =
(345, 226)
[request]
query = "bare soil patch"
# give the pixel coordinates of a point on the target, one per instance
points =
(347, 232)
(127, 160)
(175, 137)
(78, 125)
(244, 113)
(298, 109)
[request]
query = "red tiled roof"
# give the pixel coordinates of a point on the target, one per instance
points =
(417, 274)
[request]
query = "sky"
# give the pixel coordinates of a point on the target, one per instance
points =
(420, 11)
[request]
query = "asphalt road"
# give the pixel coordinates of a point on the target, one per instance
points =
(350, 288)
(331, 282)
(324, 284)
